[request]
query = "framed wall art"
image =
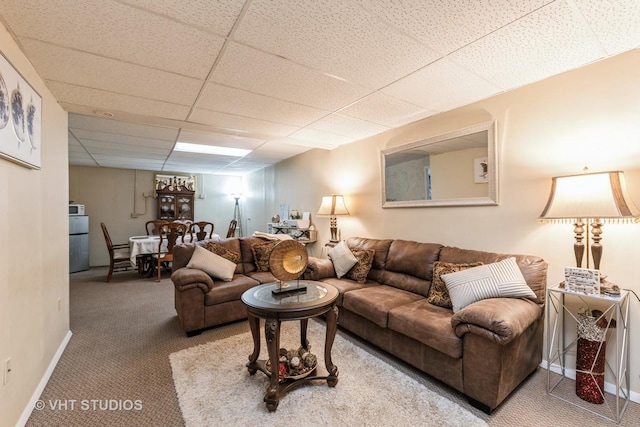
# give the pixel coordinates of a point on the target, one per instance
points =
(20, 118)
(480, 170)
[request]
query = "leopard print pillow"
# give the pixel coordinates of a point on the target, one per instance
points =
(261, 253)
(360, 271)
(222, 251)
(438, 294)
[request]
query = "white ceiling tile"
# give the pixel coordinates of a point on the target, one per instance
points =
(616, 23)
(119, 31)
(339, 38)
(240, 123)
(111, 101)
(224, 99)
(83, 69)
(448, 25)
(216, 16)
(549, 41)
(348, 126)
(313, 135)
(279, 78)
(386, 110)
(99, 124)
(442, 86)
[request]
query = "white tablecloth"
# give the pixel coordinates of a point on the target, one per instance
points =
(145, 245)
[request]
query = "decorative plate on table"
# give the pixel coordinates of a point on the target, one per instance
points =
(288, 260)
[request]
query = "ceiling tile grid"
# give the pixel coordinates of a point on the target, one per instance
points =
(286, 73)
(254, 71)
(615, 23)
(88, 70)
(230, 100)
(449, 25)
(242, 125)
(333, 37)
(385, 110)
(118, 31)
(549, 41)
(442, 86)
(214, 16)
(67, 93)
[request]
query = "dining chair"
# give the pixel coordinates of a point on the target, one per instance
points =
(232, 228)
(202, 230)
(119, 254)
(152, 225)
(170, 234)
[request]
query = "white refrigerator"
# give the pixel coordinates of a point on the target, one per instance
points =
(78, 243)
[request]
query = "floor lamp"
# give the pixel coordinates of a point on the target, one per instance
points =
(589, 201)
(237, 215)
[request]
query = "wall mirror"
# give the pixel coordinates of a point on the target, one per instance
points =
(459, 168)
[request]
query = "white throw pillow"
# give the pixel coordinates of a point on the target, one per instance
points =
(342, 257)
(212, 264)
(501, 279)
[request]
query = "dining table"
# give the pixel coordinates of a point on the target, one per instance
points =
(143, 247)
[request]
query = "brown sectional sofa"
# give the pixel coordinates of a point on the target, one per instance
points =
(200, 300)
(485, 350)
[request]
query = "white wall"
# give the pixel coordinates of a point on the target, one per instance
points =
(34, 254)
(113, 195)
(586, 117)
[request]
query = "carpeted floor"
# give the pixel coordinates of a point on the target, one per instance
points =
(115, 370)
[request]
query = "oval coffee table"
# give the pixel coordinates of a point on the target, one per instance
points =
(261, 303)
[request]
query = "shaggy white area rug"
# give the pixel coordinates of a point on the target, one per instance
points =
(214, 388)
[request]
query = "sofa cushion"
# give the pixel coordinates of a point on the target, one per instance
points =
(438, 293)
(501, 279)
(346, 285)
(374, 303)
(217, 249)
(428, 324)
(343, 259)
(212, 264)
(360, 271)
(261, 253)
(229, 291)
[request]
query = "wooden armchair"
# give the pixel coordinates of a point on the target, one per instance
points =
(202, 230)
(119, 254)
(232, 228)
(170, 234)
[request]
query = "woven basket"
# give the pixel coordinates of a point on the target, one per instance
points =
(288, 260)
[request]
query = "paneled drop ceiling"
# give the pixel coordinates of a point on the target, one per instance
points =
(280, 77)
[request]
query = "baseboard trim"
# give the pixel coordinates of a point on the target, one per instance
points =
(608, 387)
(26, 413)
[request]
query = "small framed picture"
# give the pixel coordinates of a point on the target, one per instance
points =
(480, 170)
(582, 280)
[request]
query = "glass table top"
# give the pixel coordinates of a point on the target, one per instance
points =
(316, 293)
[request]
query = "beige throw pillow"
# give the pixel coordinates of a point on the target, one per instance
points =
(343, 259)
(212, 264)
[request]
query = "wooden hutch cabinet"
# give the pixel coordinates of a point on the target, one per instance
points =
(175, 200)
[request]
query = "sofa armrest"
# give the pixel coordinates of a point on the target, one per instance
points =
(498, 319)
(187, 278)
(319, 268)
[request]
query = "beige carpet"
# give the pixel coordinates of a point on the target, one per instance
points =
(214, 388)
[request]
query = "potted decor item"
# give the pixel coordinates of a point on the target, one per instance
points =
(590, 355)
